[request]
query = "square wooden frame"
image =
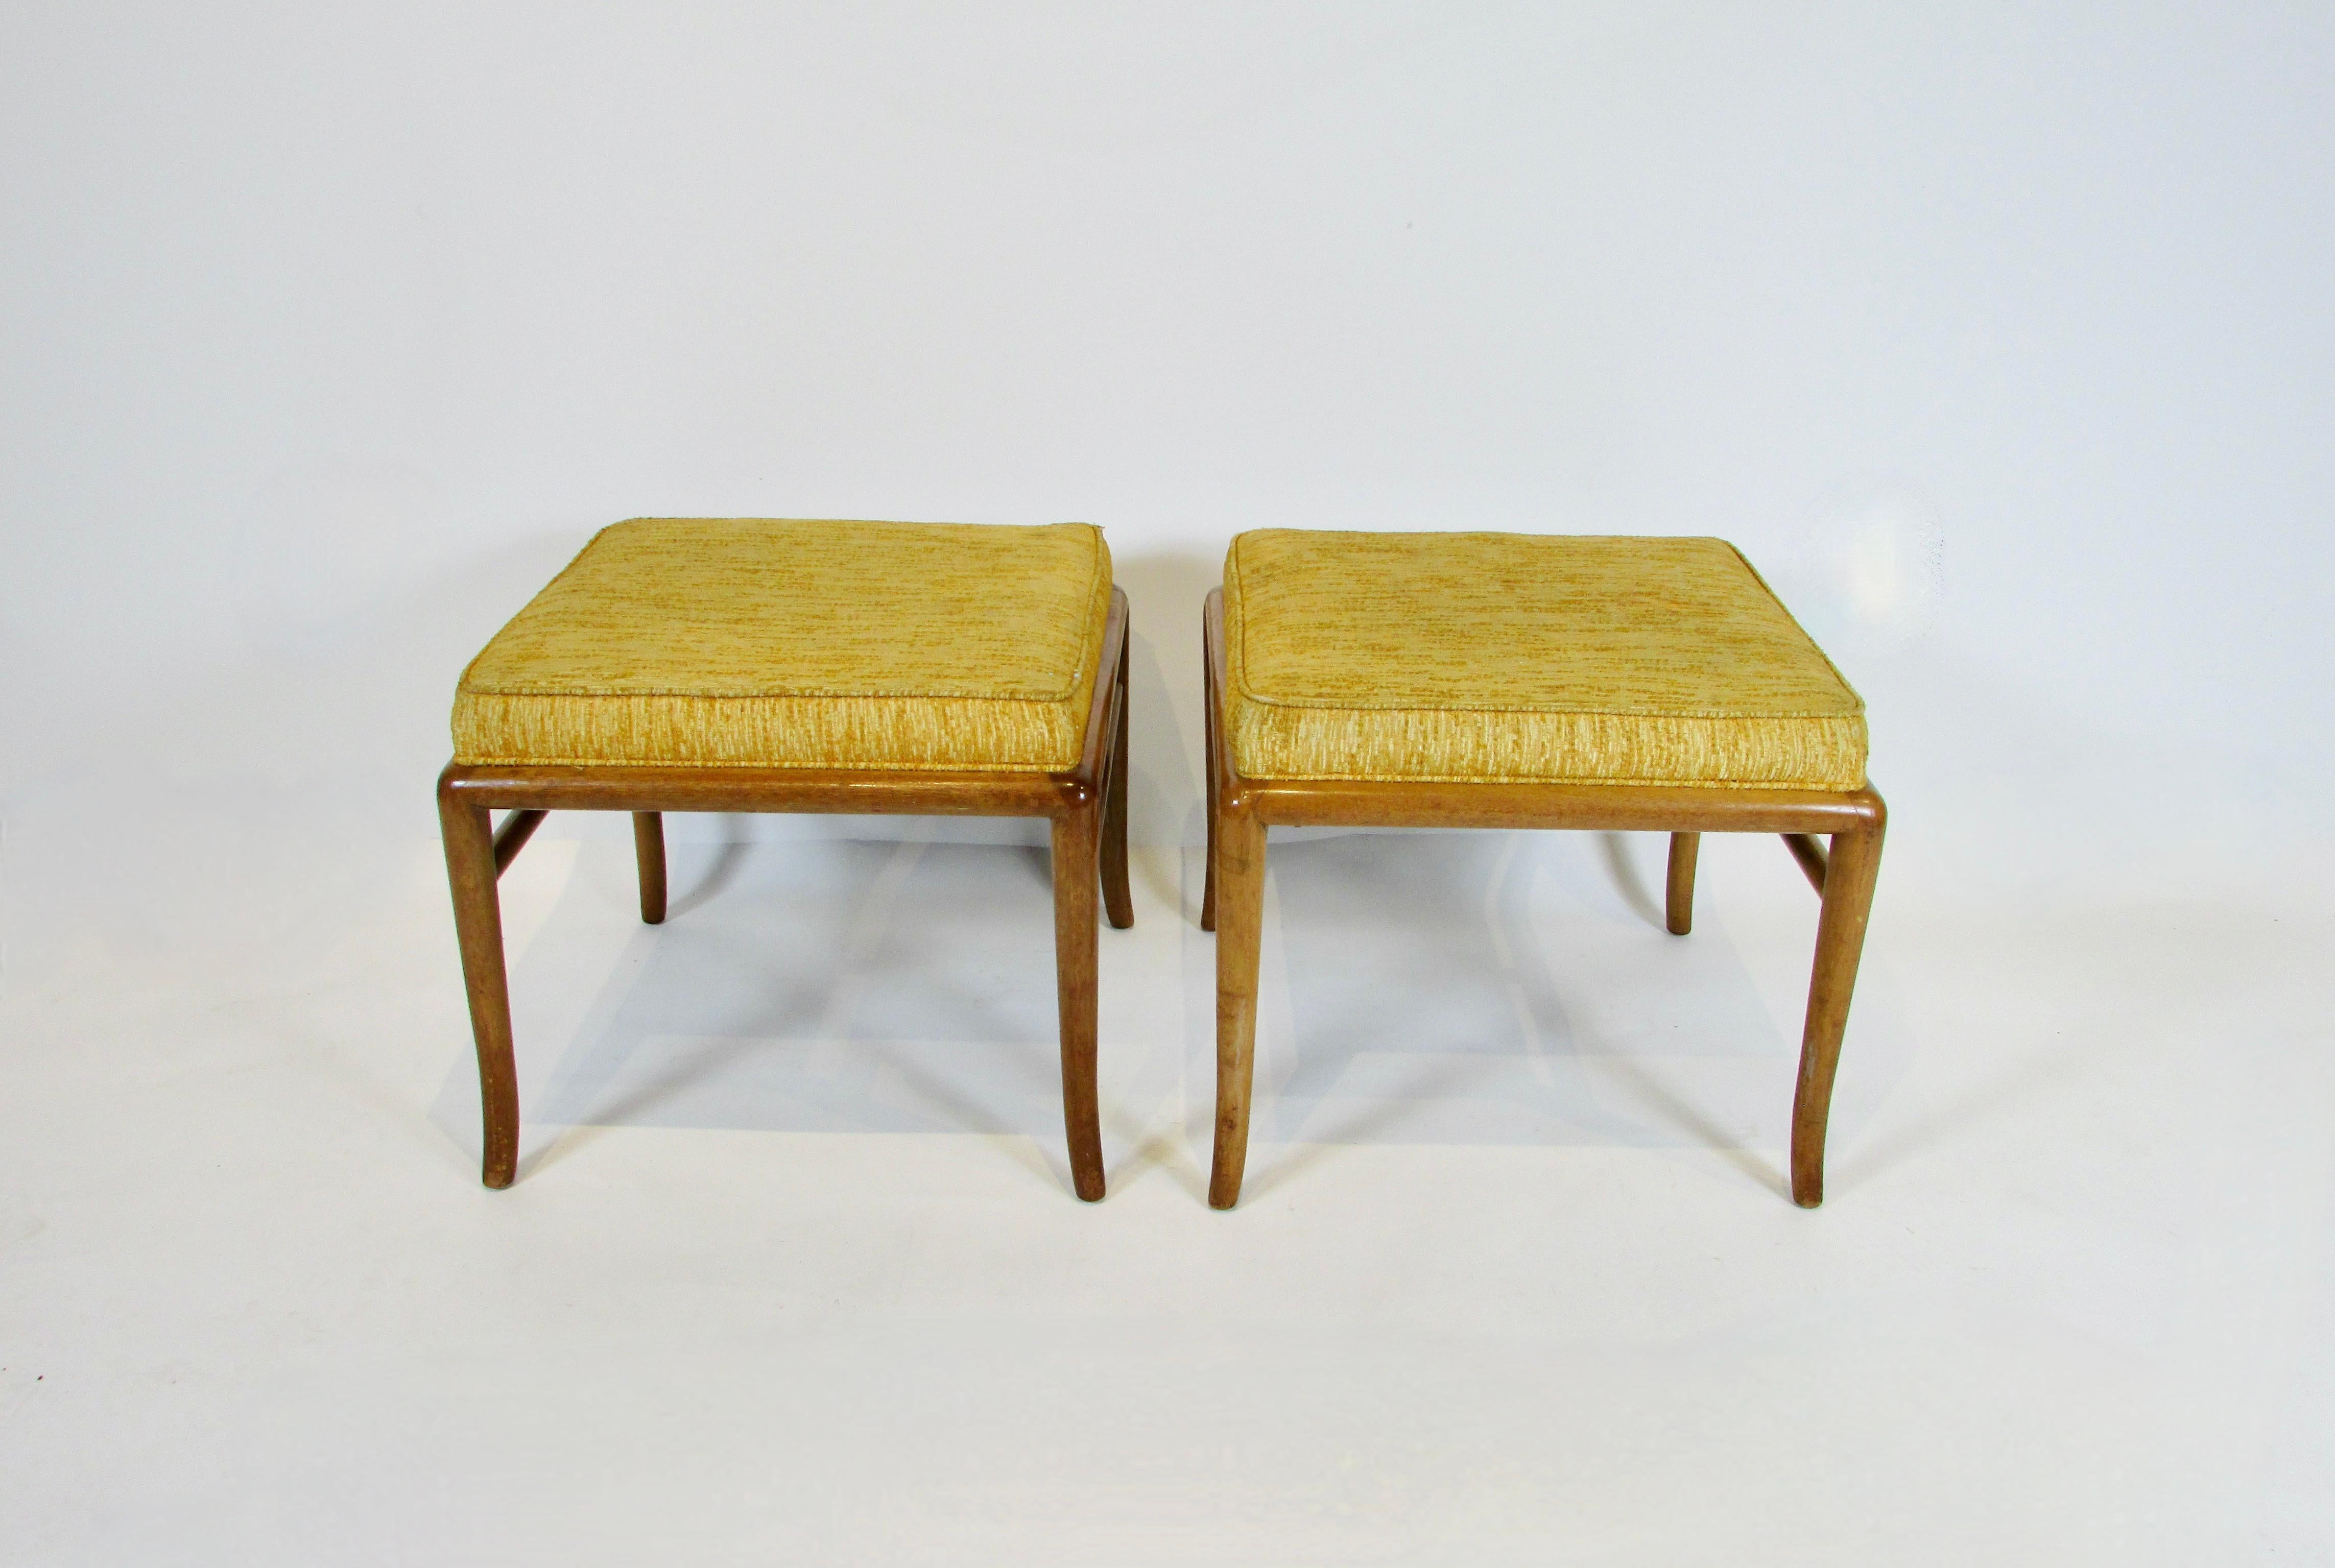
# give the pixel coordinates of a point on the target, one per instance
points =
(1087, 807)
(1240, 809)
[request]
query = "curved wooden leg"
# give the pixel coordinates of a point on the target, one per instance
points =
(648, 848)
(478, 924)
(1240, 921)
(1212, 764)
(1117, 901)
(1679, 911)
(1855, 863)
(1076, 837)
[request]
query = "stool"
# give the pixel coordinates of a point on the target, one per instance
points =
(1524, 681)
(749, 664)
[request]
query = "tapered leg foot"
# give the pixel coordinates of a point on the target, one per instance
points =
(1849, 877)
(478, 924)
(1678, 908)
(1077, 837)
(1240, 920)
(1118, 901)
(648, 848)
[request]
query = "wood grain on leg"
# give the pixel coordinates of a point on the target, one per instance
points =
(478, 924)
(1077, 833)
(1240, 920)
(1679, 904)
(648, 848)
(1118, 901)
(1849, 875)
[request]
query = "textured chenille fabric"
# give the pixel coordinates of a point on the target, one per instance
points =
(1509, 657)
(761, 643)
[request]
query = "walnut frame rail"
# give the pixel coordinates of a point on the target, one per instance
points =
(1240, 809)
(1086, 806)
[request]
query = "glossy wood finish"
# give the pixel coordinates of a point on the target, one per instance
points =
(1118, 900)
(1087, 807)
(1612, 808)
(512, 836)
(648, 853)
(1241, 809)
(1811, 857)
(1678, 903)
(1849, 878)
(471, 872)
(1240, 930)
(1077, 840)
(804, 790)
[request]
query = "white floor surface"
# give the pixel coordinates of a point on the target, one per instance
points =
(792, 1272)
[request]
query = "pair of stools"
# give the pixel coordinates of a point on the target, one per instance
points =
(1450, 680)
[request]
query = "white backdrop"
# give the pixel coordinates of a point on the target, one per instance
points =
(2001, 336)
(327, 335)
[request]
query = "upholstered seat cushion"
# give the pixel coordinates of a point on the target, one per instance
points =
(1504, 657)
(748, 642)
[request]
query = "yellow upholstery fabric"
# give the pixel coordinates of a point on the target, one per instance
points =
(1508, 657)
(748, 642)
